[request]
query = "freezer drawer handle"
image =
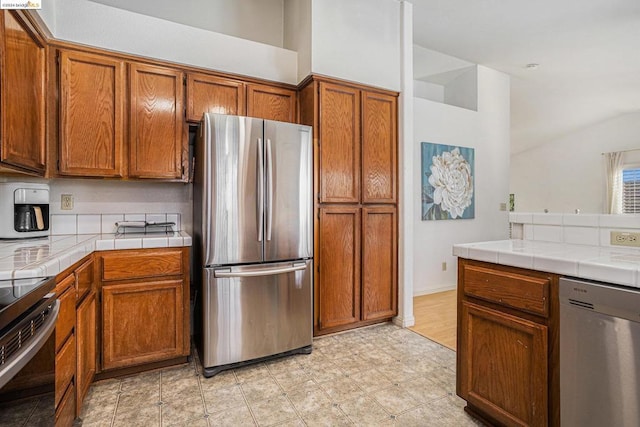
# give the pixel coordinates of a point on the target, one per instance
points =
(265, 272)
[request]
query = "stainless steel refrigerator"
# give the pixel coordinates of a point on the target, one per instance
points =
(253, 247)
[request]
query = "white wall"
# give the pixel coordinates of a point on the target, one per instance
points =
(297, 33)
(357, 40)
(257, 20)
(462, 91)
(568, 173)
(486, 130)
(120, 30)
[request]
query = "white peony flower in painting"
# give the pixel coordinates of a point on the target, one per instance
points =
(447, 182)
(451, 179)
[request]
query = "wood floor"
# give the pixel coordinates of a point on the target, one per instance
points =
(436, 317)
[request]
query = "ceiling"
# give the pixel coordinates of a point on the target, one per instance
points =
(588, 53)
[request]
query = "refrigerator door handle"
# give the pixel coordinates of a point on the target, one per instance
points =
(260, 192)
(264, 272)
(269, 190)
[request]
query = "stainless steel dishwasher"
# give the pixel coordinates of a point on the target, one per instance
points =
(599, 354)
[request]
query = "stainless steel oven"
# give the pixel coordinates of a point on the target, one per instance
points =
(28, 314)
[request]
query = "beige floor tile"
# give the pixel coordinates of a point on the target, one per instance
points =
(371, 380)
(134, 400)
(143, 380)
(352, 364)
(260, 389)
(291, 379)
(395, 400)
(223, 379)
(292, 423)
(364, 410)
(182, 412)
(327, 417)
(424, 390)
(281, 365)
(398, 372)
(224, 398)
(240, 416)
(443, 412)
(326, 372)
(141, 416)
(310, 400)
(342, 389)
(274, 410)
(177, 388)
(176, 373)
(251, 372)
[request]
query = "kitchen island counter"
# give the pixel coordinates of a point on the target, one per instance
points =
(618, 265)
(51, 255)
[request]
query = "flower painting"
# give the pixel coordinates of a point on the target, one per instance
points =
(447, 182)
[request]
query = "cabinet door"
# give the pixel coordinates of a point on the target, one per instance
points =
(339, 266)
(67, 315)
(209, 94)
(379, 148)
(339, 144)
(84, 279)
(271, 103)
(22, 101)
(157, 132)
(142, 322)
(504, 370)
(379, 262)
(86, 346)
(91, 115)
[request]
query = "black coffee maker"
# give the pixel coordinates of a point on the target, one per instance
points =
(26, 215)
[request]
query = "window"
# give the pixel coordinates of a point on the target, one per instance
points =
(631, 190)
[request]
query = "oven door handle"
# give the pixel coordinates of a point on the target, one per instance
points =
(31, 348)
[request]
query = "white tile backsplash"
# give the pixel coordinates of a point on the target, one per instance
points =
(581, 235)
(109, 223)
(581, 220)
(547, 233)
(64, 224)
(89, 224)
(128, 244)
(547, 219)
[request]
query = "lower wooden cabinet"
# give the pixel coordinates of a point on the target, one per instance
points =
(86, 328)
(357, 266)
(507, 353)
(142, 323)
(144, 308)
(66, 410)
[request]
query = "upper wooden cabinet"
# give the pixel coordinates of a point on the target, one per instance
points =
(92, 107)
(339, 160)
(94, 113)
(157, 132)
(379, 147)
(358, 142)
(211, 94)
(22, 95)
(271, 103)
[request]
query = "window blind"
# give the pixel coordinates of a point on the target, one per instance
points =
(631, 190)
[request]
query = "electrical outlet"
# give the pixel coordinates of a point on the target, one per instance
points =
(444, 266)
(66, 202)
(624, 238)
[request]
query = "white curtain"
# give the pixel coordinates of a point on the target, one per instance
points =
(613, 175)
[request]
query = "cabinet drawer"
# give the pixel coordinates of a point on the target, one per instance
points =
(139, 264)
(66, 410)
(65, 367)
(528, 293)
(67, 315)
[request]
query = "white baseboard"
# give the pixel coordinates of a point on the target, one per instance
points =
(404, 322)
(435, 290)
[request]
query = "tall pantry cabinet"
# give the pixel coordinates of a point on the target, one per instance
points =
(355, 152)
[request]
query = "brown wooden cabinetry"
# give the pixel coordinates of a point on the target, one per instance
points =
(75, 339)
(144, 306)
(157, 132)
(22, 94)
(93, 140)
(92, 108)
(507, 358)
(212, 94)
(271, 102)
(355, 152)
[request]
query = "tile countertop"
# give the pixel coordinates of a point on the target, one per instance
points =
(605, 264)
(51, 255)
